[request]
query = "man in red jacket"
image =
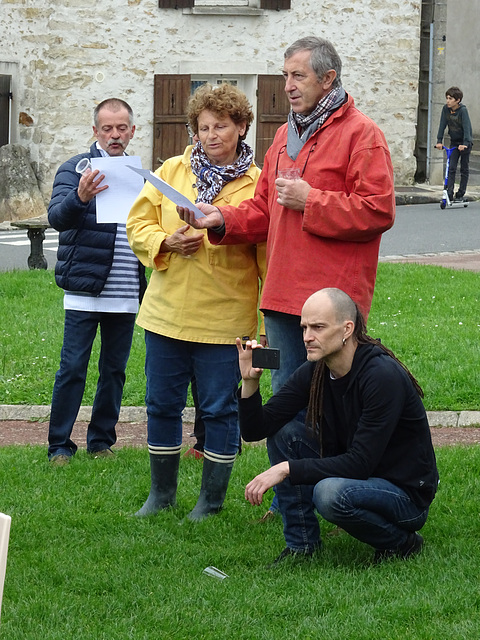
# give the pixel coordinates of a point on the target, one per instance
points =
(323, 229)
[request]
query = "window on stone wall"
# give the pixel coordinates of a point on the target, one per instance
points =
(171, 93)
(196, 82)
(224, 3)
(275, 5)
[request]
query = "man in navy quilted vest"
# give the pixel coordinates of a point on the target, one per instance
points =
(103, 282)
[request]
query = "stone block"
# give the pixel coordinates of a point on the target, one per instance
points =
(442, 418)
(20, 196)
(469, 419)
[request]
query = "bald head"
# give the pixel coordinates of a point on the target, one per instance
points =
(328, 322)
(342, 305)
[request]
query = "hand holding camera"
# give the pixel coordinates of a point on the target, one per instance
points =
(253, 358)
(266, 358)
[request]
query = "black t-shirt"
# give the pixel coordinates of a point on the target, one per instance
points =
(336, 389)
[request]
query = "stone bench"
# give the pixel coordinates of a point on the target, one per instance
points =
(36, 233)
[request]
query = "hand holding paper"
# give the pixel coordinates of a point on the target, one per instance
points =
(169, 192)
(211, 216)
(91, 185)
(114, 204)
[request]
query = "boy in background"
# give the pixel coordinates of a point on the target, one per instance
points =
(455, 116)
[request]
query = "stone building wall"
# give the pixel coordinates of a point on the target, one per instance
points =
(66, 57)
(462, 64)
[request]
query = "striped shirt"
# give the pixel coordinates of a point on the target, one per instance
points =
(121, 290)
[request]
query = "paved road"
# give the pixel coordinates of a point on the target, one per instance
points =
(418, 229)
(15, 249)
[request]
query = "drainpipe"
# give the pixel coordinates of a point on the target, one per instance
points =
(430, 93)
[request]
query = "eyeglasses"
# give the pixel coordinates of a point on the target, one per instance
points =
(284, 148)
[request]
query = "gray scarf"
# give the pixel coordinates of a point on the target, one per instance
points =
(311, 122)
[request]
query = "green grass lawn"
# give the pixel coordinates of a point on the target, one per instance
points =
(80, 567)
(428, 315)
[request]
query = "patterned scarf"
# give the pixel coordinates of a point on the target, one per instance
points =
(311, 122)
(211, 178)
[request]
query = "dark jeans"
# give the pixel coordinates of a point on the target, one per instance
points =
(374, 511)
(198, 427)
(116, 331)
(285, 333)
(464, 157)
(300, 523)
(170, 365)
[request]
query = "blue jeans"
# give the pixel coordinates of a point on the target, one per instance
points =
(116, 331)
(374, 511)
(464, 157)
(300, 523)
(284, 333)
(169, 367)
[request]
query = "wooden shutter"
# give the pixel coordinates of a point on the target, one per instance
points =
(272, 111)
(175, 4)
(171, 93)
(278, 5)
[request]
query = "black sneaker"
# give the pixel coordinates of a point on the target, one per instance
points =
(413, 546)
(294, 554)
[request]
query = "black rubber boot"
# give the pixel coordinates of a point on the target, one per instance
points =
(163, 490)
(215, 479)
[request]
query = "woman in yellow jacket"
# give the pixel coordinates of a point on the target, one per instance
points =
(199, 299)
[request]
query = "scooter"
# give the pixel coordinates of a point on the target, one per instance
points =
(445, 201)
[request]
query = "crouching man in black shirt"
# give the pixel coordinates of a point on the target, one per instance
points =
(365, 458)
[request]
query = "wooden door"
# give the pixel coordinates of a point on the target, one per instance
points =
(171, 94)
(272, 111)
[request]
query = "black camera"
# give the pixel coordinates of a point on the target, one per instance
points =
(266, 358)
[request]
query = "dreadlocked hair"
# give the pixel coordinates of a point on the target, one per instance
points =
(314, 419)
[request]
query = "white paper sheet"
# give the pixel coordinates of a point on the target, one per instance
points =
(168, 191)
(114, 204)
(4, 537)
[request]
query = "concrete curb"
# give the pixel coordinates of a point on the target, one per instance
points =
(35, 412)
(427, 194)
(138, 414)
(417, 198)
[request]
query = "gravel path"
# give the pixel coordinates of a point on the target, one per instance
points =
(135, 434)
